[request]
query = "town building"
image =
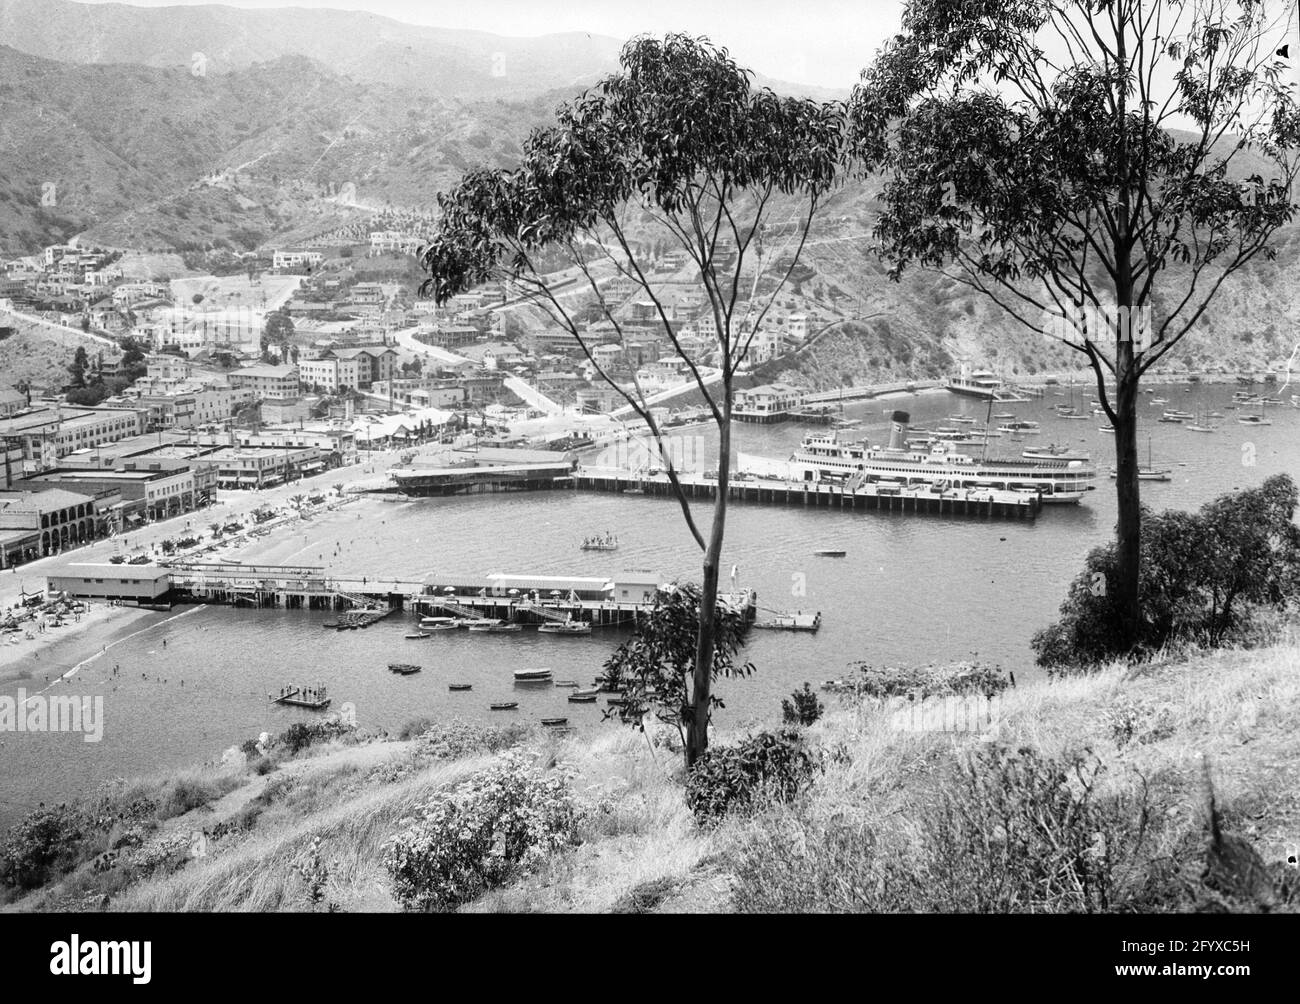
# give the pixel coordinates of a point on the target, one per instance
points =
(331, 372)
(140, 584)
(38, 438)
(41, 523)
(768, 403)
(275, 382)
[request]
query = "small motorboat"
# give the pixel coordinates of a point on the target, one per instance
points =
(497, 628)
(417, 634)
(434, 628)
(504, 706)
(555, 721)
(828, 552)
(532, 675)
(583, 696)
(567, 683)
(460, 686)
(428, 622)
(404, 668)
(565, 627)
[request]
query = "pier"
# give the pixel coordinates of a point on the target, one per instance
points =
(869, 496)
(514, 599)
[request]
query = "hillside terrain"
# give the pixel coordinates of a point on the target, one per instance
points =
(304, 123)
(365, 47)
(306, 829)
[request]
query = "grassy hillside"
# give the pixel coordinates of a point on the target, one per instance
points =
(862, 837)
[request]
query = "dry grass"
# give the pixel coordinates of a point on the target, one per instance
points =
(640, 849)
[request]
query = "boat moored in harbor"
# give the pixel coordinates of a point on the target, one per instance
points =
(823, 457)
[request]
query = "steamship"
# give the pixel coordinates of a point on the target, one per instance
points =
(823, 457)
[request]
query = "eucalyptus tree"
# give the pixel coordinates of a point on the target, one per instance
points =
(676, 146)
(1079, 162)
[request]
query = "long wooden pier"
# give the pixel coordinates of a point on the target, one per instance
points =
(313, 588)
(871, 497)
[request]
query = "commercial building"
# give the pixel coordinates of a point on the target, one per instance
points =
(57, 518)
(125, 583)
(331, 372)
(145, 489)
(39, 438)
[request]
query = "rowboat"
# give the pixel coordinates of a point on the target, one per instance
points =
(583, 696)
(418, 634)
(532, 675)
(830, 553)
(495, 628)
(460, 686)
(404, 668)
(555, 721)
(567, 683)
(504, 706)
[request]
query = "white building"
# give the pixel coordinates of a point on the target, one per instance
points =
(332, 373)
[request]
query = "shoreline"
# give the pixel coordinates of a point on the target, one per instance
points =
(65, 651)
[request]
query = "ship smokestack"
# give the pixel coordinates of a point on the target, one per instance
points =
(898, 421)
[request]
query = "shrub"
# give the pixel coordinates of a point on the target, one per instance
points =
(454, 739)
(955, 680)
(1013, 831)
(803, 707)
(415, 727)
(42, 846)
(1203, 576)
(498, 822)
(771, 765)
(298, 736)
(186, 794)
(1138, 721)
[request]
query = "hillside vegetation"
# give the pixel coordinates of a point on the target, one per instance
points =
(1115, 779)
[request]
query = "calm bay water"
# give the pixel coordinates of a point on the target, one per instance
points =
(912, 589)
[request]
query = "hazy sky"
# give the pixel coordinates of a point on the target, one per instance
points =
(820, 42)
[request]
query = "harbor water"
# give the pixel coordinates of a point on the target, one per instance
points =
(911, 589)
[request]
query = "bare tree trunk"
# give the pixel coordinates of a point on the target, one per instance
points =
(697, 732)
(1128, 528)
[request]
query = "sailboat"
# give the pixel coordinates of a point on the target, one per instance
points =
(1255, 419)
(1198, 426)
(1149, 472)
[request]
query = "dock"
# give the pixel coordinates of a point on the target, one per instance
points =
(314, 698)
(868, 496)
(601, 601)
